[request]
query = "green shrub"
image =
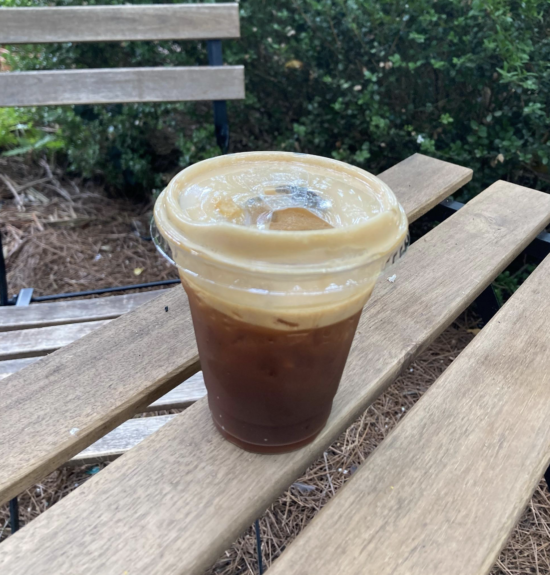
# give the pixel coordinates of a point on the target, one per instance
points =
(19, 135)
(365, 81)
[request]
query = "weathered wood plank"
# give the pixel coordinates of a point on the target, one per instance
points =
(423, 179)
(178, 499)
(134, 431)
(122, 85)
(98, 382)
(92, 385)
(43, 340)
(445, 489)
(119, 23)
(121, 439)
(184, 395)
(14, 365)
(71, 311)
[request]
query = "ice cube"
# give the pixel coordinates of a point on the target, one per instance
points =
(297, 219)
(303, 197)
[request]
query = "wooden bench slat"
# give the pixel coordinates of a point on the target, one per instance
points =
(14, 365)
(98, 382)
(92, 385)
(445, 489)
(423, 179)
(122, 85)
(119, 23)
(183, 395)
(121, 439)
(43, 340)
(183, 495)
(134, 431)
(71, 311)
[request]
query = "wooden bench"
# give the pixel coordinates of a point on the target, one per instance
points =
(177, 500)
(446, 487)
(27, 333)
(33, 331)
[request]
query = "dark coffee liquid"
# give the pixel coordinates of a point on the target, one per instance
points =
(269, 391)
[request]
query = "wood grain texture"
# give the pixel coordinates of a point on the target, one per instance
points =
(92, 385)
(100, 381)
(425, 175)
(184, 395)
(134, 431)
(14, 365)
(119, 23)
(180, 498)
(72, 311)
(445, 489)
(121, 439)
(122, 85)
(43, 340)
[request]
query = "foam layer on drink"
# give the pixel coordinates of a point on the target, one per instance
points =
(227, 222)
(249, 193)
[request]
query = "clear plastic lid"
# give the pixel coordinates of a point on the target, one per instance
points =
(279, 239)
(281, 209)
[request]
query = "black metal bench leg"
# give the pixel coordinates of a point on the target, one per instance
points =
(3, 277)
(14, 515)
(215, 58)
(221, 125)
(259, 547)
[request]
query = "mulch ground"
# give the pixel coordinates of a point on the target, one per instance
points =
(66, 235)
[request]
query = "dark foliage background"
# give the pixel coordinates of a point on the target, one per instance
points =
(365, 81)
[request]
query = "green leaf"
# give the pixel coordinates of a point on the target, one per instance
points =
(417, 37)
(29, 147)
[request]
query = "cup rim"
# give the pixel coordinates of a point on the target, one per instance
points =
(168, 212)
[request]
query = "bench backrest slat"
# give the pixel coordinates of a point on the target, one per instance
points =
(121, 85)
(119, 23)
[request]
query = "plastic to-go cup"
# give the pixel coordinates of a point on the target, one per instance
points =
(278, 253)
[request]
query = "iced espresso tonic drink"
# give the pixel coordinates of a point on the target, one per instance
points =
(278, 253)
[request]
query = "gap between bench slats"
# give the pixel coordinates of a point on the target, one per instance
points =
(445, 489)
(119, 23)
(97, 383)
(178, 499)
